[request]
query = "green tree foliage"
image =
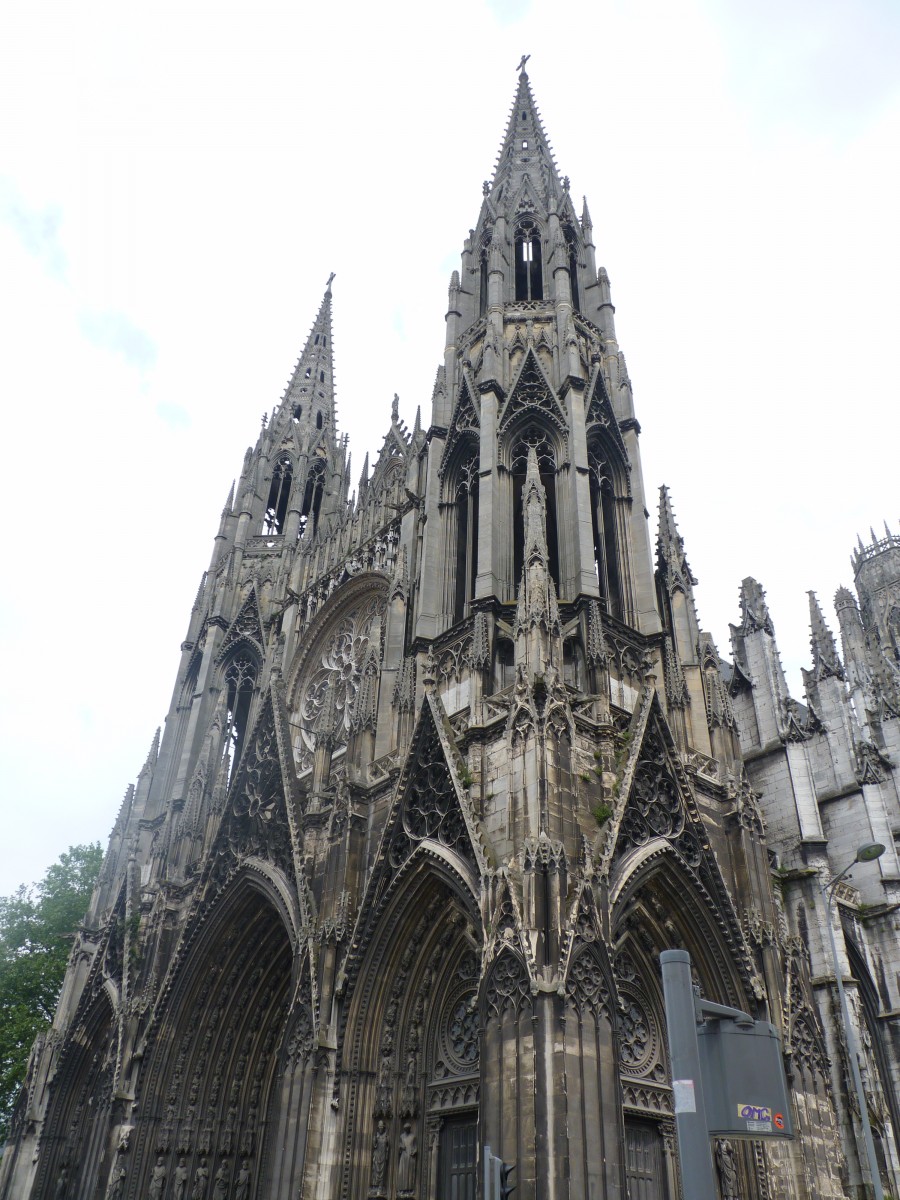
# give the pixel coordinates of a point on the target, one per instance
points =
(37, 925)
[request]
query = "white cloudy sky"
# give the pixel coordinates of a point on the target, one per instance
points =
(178, 180)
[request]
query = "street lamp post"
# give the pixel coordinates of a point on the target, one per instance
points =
(866, 853)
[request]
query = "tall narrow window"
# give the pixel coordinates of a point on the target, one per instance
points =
(518, 469)
(572, 248)
(606, 542)
(466, 538)
(312, 499)
(240, 677)
(279, 495)
(529, 268)
(484, 275)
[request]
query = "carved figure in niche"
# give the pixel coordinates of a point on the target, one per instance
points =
(379, 1159)
(116, 1188)
(727, 1168)
(242, 1188)
(181, 1178)
(220, 1183)
(62, 1183)
(158, 1180)
(201, 1181)
(406, 1171)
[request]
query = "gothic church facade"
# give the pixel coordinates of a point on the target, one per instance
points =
(446, 766)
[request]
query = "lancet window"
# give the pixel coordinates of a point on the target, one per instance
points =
(312, 499)
(547, 467)
(484, 270)
(572, 254)
(466, 536)
(279, 496)
(529, 261)
(605, 528)
(240, 680)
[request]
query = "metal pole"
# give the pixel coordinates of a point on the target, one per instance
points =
(850, 1034)
(694, 1151)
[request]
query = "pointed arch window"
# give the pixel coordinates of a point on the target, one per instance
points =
(572, 254)
(484, 268)
(529, 261)
(312, 499)
(547, 467)
(466, 549)
(279, 495)
(605, 533)
(240, 680)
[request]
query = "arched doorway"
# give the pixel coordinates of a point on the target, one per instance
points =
(212, 1058)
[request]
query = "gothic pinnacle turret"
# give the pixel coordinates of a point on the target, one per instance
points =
(824, 650)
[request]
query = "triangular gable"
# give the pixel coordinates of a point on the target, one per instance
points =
(430, 809)
(599, 414)
(465, 419)
(246, 627)
(532, 390)
(656, 803)
(527, 199)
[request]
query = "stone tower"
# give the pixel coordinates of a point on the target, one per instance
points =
(445, 768)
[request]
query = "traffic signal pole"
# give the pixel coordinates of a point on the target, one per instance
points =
(694, 1149)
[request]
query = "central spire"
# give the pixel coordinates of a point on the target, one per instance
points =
(525, 152)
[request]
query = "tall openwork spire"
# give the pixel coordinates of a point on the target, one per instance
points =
(310, 394)
(525, 151)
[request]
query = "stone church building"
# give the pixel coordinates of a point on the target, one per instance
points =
(447, 766)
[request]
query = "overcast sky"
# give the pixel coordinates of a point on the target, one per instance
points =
(178, 180)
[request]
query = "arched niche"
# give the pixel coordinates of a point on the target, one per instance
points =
(205, 1094)
(75, 1137)
(409, 1053)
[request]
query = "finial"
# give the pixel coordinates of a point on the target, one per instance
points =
(395, 407)
(330, 281)
(566, 183)
(486, 188)
(523, 61)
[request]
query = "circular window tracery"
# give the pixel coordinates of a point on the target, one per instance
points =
(330, 682)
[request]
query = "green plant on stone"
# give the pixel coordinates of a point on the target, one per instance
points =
(602, 813)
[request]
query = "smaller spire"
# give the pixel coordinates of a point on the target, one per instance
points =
(309, 397)
(824, 649)
(754, 610)
(670, 556)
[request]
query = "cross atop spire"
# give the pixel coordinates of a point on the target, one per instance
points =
(310, 394)
(525, 150)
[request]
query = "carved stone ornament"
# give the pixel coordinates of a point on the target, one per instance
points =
(257, 823)
(508, 985)
(335, 677)
(654, 804)
(585, 985)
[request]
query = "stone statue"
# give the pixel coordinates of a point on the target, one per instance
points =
(62, 1183)
(116, 1188)
(180, 1177)
(158, 1180)
(201, 1181)
(727, 1168)
(220, 1183)
(242, 1189)
(379, 1157)
(406, 1171)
